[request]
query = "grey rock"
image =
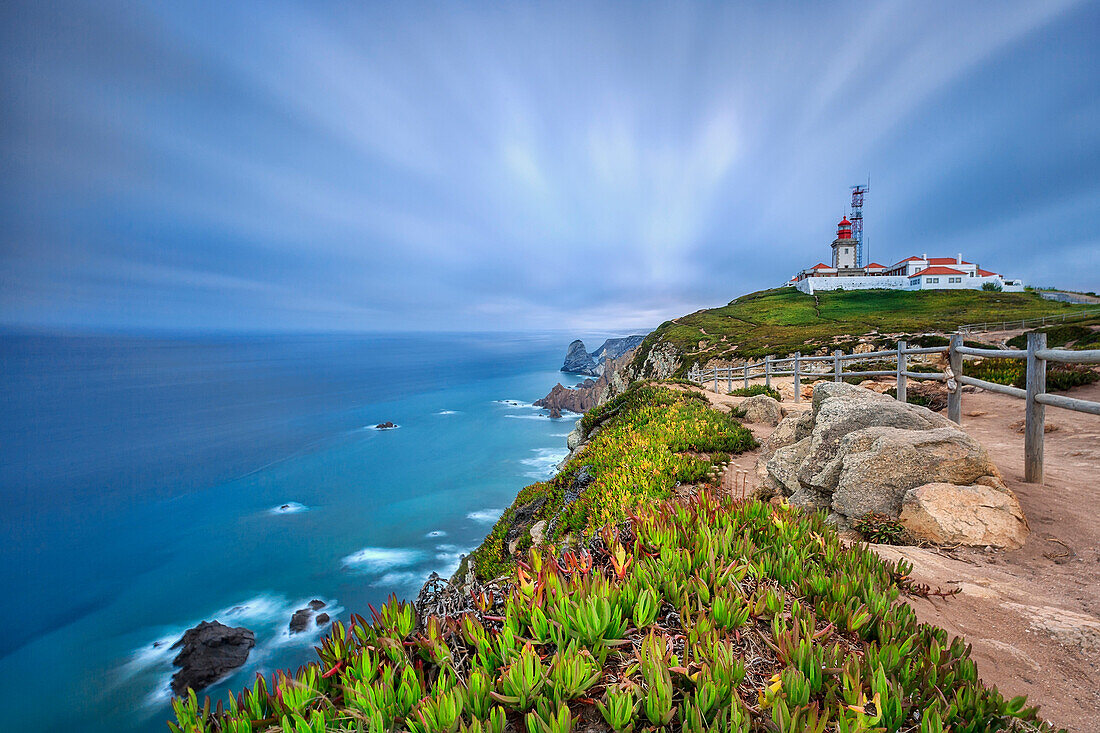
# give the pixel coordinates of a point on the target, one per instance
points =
(881, 464)
(322, 619)
(575, 437)
(208, 652)
(841, 409)
(316, 605)
(579, 361)
(783, 466)
(762, 409)
(582, 479)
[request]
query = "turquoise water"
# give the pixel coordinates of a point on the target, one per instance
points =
(141, 480)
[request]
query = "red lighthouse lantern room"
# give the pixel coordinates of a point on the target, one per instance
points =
(844, 229)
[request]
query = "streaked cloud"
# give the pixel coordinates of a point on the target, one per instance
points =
(576, 165)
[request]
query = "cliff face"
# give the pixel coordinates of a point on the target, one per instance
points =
(614, 348)
(613, 381)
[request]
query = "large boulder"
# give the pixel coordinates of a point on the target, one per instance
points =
(876, 466)
(840, 409)
(857, 452)
(579, 361)
(970, 515)
(208, 652)
(761, 409)
(784, 463)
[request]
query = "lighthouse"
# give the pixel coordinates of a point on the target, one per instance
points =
(844, 246)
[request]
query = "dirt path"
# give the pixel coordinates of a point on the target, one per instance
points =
(1033, 614)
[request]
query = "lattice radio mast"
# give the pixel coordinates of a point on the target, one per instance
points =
(858, 193)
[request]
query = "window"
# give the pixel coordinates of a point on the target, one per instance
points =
(931, 280)
(954, 279)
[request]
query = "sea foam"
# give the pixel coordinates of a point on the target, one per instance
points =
(485, 516)
(380, 559)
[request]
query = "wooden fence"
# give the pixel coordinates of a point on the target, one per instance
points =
(1035, 396)
(1029, 322)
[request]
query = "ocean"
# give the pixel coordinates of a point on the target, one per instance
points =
(149, 483)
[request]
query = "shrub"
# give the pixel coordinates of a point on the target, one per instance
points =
(756, 389)
(1060, 377)
(879, 528)
(1080, 336)
(992, 287)
(714, 615)
(911, 397)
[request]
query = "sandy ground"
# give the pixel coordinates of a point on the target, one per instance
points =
(1033, 614)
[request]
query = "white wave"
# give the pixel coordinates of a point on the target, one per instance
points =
(544, 464)
(266, 615)
(378, 429)
(517, 404)
(380, 559)
(403, 579)
(485, 516)
(291, 507)
(529, 417)
(436, 533)
(447, 412)
(559, 435)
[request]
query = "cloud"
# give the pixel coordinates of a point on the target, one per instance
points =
(417, 166)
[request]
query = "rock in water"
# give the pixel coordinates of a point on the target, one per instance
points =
(322, 619)
(209, 651)
(385, 426)
(300, 620)
(316, 605)
(579, 361)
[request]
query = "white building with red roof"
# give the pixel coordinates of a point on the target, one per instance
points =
(911, 273)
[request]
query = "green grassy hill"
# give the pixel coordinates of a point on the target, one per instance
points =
(784, 320)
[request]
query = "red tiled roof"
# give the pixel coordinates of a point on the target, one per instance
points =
(821, 266)
(875, 264)
(910, 259)
(946, 261)
(985, 273)
(937, 271)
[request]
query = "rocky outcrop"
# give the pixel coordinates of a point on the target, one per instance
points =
(614, 348)
(591, 392)
(761, 409)
(579, 399)
(579, 361)
(300, 621)
(858, 452)
(208, 652)
(946, 513)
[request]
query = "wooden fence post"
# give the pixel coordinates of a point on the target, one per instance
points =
(746, 375)
(797, 381)
(768, 370)
(955, 362)
(902, 364)
(1035, 413)
(836, 365)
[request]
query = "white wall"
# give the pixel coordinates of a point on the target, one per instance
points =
(868, 282)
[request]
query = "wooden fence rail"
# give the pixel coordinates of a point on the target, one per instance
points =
(1035, 396)
(1028, 322)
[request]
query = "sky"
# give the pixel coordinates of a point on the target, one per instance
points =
(364, 166)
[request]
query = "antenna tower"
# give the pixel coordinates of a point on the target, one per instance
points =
(857, 219)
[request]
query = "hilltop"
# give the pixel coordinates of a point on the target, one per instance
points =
(784, 320)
